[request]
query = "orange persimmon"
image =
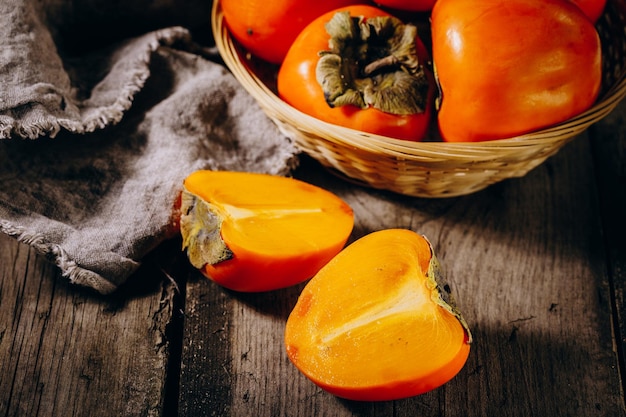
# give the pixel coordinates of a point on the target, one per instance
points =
(510, 67)
(268, 28)
(375, 324)
(361, 68)
(257, 232)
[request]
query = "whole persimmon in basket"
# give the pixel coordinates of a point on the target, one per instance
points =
(361, 68)
(510, 67)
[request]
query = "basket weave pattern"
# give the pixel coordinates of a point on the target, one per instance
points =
(428, 169)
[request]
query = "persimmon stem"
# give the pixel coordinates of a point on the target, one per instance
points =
(372, 63)
(386, 62)
(200, 228)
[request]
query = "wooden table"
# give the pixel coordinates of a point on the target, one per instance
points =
(538, 265)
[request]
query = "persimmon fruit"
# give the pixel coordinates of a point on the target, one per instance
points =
(361, 68)
(268, 28)
(254, 232)
(510, 67)
(592, 8)
(408, 5)
(375, 323)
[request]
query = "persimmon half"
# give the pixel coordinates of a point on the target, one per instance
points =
(375, 324)
(254, 232)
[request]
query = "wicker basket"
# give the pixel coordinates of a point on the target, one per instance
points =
(427, 169)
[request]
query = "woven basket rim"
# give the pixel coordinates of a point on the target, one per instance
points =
(418, 168)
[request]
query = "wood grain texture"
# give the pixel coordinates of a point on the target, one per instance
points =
(609, 150)
(536, 265)
(527, 263)
(69, 352)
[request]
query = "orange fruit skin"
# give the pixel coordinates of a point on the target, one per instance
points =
(404, 389)
(542, 66)
(408, 5)
(249, 272)
(268, 28)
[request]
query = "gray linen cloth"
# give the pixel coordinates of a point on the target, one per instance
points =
(99, 128)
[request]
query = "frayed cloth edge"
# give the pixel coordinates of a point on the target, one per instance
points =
(108, 115)
(69, 269)
(113, 113)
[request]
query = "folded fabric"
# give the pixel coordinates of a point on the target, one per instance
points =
(96, 146)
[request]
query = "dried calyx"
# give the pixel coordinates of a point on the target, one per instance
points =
(372, 63)
(200, 225)
(441, 294)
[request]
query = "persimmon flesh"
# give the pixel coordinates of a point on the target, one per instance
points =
(257, 232)
(374, 324)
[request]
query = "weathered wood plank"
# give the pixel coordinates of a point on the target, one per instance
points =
(68, 352)
(532, 263)
(527, 263)
(206, 378)
(609, 148)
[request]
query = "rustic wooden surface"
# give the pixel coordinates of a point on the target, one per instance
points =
(537, 264)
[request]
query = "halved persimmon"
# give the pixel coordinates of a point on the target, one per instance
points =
(258, 232)
(374, 324)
